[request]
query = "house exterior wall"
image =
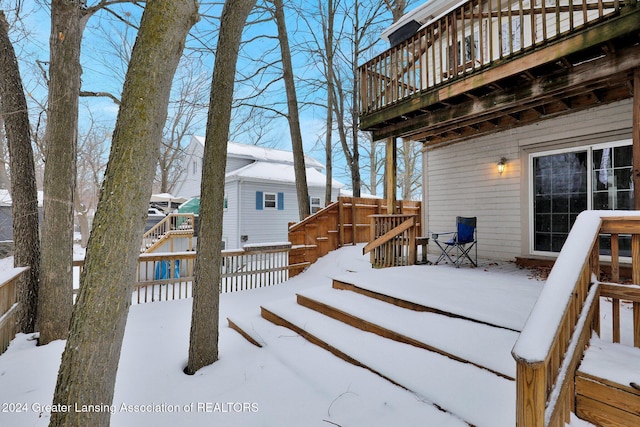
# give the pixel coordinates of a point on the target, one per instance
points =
(462, 179)
(189, 183)
(230, 219)
(267, 225)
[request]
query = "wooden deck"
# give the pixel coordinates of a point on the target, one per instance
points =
(530, 375)
(423, 348)
(522, 62)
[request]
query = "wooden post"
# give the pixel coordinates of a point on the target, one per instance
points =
(391, 166)
(530, 394)
(636, 139)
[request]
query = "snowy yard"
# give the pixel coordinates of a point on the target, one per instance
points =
(289, 381)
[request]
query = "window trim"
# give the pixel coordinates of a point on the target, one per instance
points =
(589, 148)
(264, 201)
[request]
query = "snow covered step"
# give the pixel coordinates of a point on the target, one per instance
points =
(465, 341)
(472, 394)
(449, 305)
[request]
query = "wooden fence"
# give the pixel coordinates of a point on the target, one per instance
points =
(558, 329)
(169, 276)
(9, 305)
(345, 222)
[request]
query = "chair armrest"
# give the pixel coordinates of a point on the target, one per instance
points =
(435, 236)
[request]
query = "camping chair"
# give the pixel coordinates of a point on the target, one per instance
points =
(463, 240)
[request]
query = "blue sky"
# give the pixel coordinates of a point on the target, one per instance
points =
(98, 77)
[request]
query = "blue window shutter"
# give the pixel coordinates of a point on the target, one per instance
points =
(280, 201)
(259, 200)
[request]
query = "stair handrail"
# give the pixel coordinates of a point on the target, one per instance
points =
(165, 227)
(391, 234)
(558, 329)
(313, 217)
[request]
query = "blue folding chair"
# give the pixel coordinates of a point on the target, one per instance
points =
(462, 241)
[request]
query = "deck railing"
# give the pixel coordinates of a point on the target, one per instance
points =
(557, 332)
(393, 240)
(345, 222)
(172, 225)
(469, 38)
(169, 276)
(9, 305)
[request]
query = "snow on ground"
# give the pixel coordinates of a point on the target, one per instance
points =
(288, 382)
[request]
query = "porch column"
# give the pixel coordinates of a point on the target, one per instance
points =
(391, 166)
(636, 139)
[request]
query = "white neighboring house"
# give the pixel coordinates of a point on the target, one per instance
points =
(260, 190)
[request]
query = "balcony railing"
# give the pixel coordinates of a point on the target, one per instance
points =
(470, 38)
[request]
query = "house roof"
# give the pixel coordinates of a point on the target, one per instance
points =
(284, 173)
(5, 198)
(258, 153)
(423, 14)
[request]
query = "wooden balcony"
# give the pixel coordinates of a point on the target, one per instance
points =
(490, 65)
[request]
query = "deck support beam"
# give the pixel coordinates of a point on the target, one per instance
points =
(636, 138)
(391, 166)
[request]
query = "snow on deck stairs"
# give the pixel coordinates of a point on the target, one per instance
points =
(442, 358)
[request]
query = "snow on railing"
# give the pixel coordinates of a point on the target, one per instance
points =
(560, 324)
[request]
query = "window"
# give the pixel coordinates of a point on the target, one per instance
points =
(566, 183)
(195, 166)
(315, 204)
(514, 42)
(225, 202)
(270, 201)
(471, 51)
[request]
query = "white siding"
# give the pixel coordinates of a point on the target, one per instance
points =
(234, 163)
(267, 225)
(462, 179)
(230, 218)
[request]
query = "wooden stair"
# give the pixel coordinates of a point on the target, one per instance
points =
(171, 227)
(434, 355)
(605, 399)
(418, 347)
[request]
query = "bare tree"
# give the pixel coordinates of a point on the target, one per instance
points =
(293, 117)
(68, 19)
(92, 159)
(185, 113)
(90, 359)
(409, 169)
(203, 341)
(24, 195)
(4, 158)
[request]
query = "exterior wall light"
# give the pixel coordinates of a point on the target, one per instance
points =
(502, 164)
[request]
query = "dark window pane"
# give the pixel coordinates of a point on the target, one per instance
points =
(560, 203)
(601, 200)
(623, 156)
(543, 242)
(557, 241)
(543, 204)
(543, 223)
(623, 178)
(560, 223)
(625, 200)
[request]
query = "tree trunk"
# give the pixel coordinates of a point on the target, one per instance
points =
(55, 299)
(24, 195)
(292, 114)
(328, 45)
(90, 359)
(5, 182)
(203, 340)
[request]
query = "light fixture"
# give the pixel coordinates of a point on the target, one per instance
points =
(502, 164)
